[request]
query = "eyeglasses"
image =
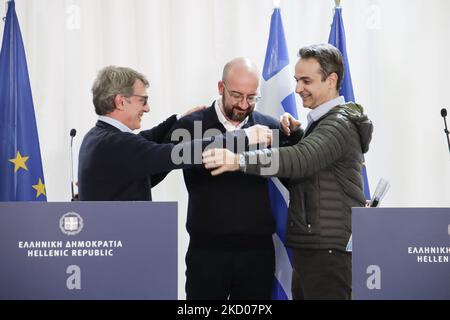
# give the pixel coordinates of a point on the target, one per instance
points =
(144, 99)
(251, 99)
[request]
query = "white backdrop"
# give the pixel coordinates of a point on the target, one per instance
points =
(398, 52)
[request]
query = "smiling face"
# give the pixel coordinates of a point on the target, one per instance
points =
(239, 89)
(133, 107)
(236, 97)
(312, 88)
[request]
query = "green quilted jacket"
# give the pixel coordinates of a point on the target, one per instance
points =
(325, 180)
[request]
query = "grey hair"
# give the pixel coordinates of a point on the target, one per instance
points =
(329, 58)
(110, 82)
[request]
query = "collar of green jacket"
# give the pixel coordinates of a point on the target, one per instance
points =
(355, 113)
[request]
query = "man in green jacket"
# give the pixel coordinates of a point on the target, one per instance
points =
(324, 172)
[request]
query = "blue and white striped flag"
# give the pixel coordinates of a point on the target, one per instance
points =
(337, 39)
(277, 90)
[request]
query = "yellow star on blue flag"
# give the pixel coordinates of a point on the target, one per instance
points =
(19, 162)
(18, 130)
(40, 188)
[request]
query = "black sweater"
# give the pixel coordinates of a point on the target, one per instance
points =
(232, 209)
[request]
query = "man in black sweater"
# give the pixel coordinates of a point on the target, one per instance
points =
(229, 219)
(117, 165)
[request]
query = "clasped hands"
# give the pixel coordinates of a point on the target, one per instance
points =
(223, 160)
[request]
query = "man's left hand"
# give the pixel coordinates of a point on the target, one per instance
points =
(288, 123)
(222, 160)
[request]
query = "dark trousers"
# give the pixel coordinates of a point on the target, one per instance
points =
(230, 274)
(321, 275)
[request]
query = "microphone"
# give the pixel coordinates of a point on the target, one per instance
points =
(444, 115)
(73, 132)
(381, 190)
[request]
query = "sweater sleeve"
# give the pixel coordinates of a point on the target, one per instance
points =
(139, 157)
(158, 133)
(322, 147)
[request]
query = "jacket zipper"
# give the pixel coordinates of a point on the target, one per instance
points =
(308, 224)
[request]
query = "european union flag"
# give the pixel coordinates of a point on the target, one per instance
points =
(277, 90)
(337, 39)
(21, 176)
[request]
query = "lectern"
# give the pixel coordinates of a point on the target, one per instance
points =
(401, 253)
(88, 250)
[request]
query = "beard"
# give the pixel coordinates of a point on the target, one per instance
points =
(234, 112)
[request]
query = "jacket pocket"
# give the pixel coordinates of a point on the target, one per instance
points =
(297, 214)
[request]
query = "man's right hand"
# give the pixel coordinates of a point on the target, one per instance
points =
(259, 134)
(190, 111)
(288, 123)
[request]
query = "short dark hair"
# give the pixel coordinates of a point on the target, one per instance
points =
(329, 58)
(110, 82)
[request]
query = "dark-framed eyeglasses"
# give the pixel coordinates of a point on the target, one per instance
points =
(144, 99)
(251, 99)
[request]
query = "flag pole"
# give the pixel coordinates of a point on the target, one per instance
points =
(6, 10)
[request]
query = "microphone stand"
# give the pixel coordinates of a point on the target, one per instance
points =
(72, 135)
(447, 133)
(71, 169)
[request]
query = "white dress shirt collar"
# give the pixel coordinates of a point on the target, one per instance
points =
(227, 124)
(115, 123)
(317, 113)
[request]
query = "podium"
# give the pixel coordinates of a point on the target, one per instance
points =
(401, 253)
(88, 250)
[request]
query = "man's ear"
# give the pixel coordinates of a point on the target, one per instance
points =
(118, 102)
(333, 79)
(220, 87)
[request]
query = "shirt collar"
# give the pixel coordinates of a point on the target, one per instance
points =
(115, 123)
(227, 124)
(317, 113)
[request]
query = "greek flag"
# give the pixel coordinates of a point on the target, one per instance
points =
(277, 90)
(22, 178)
(337, 39)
